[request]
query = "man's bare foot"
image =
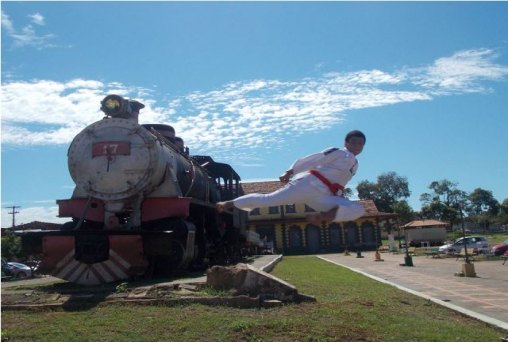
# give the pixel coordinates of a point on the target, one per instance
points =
(223, 206)
(326, 216)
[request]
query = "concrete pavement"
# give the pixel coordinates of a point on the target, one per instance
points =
(484, 297)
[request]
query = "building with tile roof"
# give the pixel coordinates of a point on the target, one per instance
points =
(425, 224)
(425, 232)
(285, 229)
(34, 225)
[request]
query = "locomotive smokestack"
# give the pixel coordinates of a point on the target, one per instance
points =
(116, 106)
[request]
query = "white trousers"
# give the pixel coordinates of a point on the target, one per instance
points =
(306, 190)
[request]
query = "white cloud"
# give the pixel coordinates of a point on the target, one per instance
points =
(239, 116)
(461, 72)
(37, 19)
(27, 36)
(30, 214)
(7, 23)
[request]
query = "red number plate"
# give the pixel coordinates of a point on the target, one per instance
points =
(111, 148)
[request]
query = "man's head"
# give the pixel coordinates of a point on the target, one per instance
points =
(354, 142)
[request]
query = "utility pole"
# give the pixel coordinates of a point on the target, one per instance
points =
(13, 213)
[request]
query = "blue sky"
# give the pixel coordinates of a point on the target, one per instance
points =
(260, 84)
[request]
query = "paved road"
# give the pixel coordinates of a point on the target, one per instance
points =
(484, 297)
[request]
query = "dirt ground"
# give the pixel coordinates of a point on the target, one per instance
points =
(50, 292)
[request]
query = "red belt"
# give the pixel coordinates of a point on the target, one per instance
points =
(334, 187)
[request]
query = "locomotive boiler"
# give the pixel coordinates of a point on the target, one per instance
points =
(140, 207)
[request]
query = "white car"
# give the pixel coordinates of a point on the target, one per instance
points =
(478, 245)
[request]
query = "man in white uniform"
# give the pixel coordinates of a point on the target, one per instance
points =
(319, 180)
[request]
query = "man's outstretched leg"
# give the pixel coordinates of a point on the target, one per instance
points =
(326, 216)
(223, 206)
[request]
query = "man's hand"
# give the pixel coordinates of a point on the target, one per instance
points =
(286, 176)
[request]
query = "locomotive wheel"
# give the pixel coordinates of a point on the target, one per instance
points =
(167, 264)
(177, 252)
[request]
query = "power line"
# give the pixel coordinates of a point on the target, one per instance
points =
(13, 213)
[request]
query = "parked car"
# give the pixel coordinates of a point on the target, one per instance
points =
(19, 270)
(499, 249)
(478, 244)
(6, 272)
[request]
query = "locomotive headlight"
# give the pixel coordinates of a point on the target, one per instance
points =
(115, 106)
(118, 107)
(111, 105)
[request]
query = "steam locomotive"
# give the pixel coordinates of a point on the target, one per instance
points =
(141, 206)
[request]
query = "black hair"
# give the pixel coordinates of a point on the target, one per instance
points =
(355, 133)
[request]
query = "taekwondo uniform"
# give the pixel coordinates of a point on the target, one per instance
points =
(318, 182)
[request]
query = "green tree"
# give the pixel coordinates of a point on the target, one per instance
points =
(347, 193)
(482, 202)
(389, 189)
(483, 207)
(406, 213)
(502, 216)
(447, 192)
(444, 202)
(11, 247)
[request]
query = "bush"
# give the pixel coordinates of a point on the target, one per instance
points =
(11, 247)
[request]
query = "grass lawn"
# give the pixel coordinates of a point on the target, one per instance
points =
(496, 238)
(349, 307)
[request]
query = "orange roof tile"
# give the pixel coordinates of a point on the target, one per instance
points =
(424, 223)
(261, 187)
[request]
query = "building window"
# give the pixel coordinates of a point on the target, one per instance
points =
(254, 212)
(273, 210)
(308, 209)
(290, 208)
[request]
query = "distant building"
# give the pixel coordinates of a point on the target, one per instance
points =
(286, 229)
(425, 224)
(34, 225)
(425, 232)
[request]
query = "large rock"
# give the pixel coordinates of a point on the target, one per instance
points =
(245, 279)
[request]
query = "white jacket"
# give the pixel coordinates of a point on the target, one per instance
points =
(337, 165)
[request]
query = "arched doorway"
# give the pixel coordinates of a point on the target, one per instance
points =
(295, 239)
(368, 233)
(313, 238)
(335, 235)
(351, 234)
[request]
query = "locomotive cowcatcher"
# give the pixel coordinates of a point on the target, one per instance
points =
(141, 206)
